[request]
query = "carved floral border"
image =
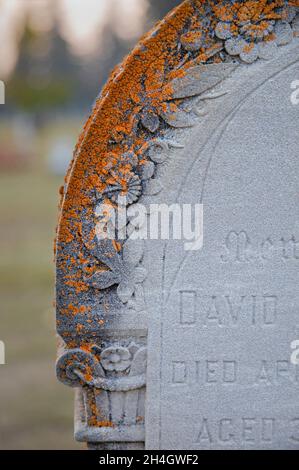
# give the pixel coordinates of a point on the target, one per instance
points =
(210, 49)
(256, 37)
(216, 39)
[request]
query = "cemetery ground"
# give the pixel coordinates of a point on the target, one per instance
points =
(36, 411)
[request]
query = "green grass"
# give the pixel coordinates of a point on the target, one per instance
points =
(36, 412)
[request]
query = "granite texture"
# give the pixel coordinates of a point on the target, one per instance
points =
(168, 349)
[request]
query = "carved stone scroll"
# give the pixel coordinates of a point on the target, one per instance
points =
(171, 83)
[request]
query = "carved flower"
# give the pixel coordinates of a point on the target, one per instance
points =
(126, 185)
(119, 163)
(146, 170)
(133, 274)
(254, 29)
(129, 158)
(168, 101)
(150, 118)
(161, 103)
(119, 177)
(130, 187)
(116, 359)
(123, 270)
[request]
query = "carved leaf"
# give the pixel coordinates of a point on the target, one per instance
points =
(133, 252)
(152, 187)
(140, 274)
(176, 117)
(100, 249)
(284, 33)
(125, 291)
(159, 151)
(200, 79)
(138, 366)
(147, 170)
(137, 302)
(150, 120)
(103, 279)
(104, 251)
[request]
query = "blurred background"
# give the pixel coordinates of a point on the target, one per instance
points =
(55, 56)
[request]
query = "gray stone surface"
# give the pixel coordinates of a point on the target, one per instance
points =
(220, 375)
(176, 349)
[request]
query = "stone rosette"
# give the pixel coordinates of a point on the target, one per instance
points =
(254, 30)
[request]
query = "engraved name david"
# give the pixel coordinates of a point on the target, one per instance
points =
(227, 309)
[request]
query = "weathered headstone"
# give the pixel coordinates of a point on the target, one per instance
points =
(176, 349)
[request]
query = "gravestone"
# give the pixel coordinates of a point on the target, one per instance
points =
(170, 348)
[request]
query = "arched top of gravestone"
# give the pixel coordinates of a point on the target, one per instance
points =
(137, 121)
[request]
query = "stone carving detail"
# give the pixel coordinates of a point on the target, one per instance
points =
(124, 268)
(141, 118)
(113, 382)
(173, 100)
(77, 367)
(253, 30)
(250, 30)
(241, 248)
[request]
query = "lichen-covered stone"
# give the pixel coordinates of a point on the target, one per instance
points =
(163, 89)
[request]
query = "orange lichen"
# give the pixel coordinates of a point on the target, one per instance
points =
(248, 47)
(142, 76)
(250, 10)
(139, 89)
(94, 419)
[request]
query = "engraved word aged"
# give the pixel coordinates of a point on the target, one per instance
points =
(247, 429)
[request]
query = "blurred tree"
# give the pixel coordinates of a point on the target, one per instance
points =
(48, 77)
(44, 76)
